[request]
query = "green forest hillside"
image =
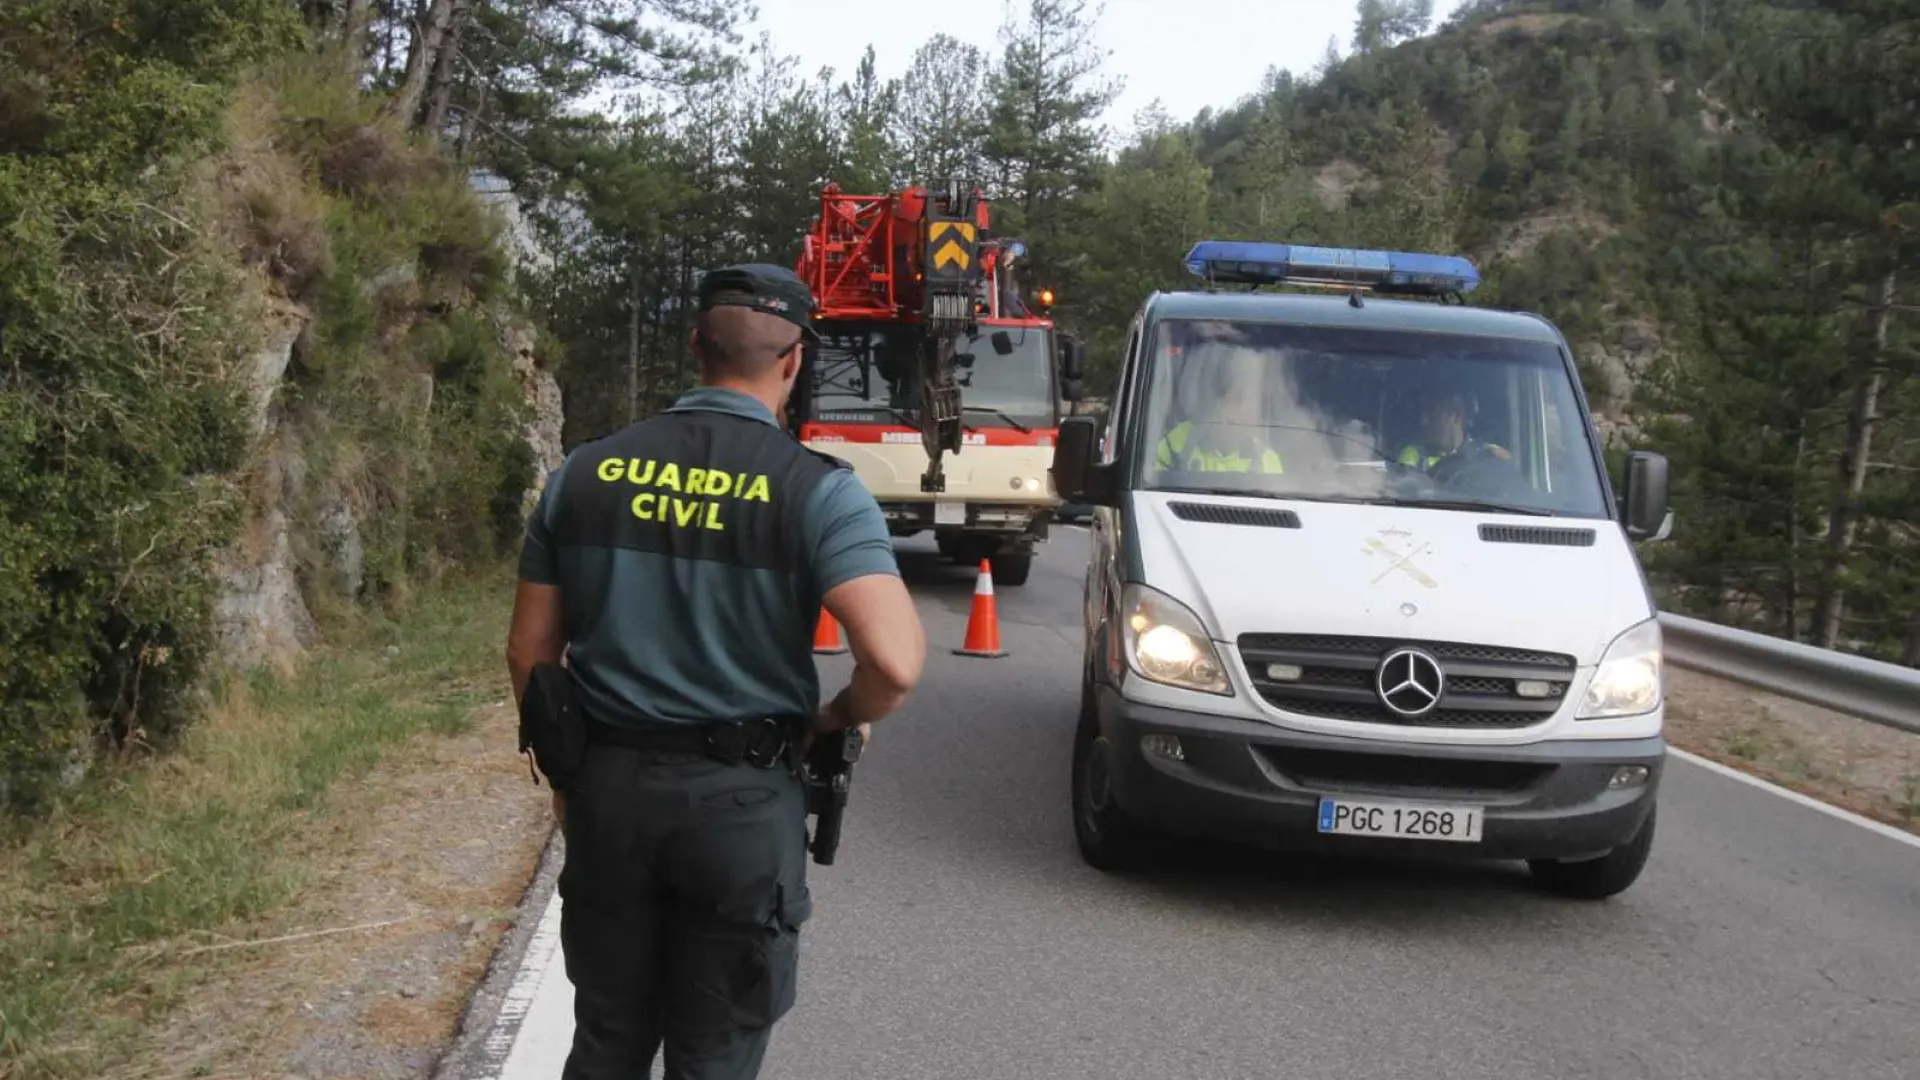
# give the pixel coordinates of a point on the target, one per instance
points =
(268, 357)
(1712, 200)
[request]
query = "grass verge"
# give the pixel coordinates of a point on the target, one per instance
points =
(1871, 770)
(118, 904)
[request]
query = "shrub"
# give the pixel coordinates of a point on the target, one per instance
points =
(121, 412)
(140, 181)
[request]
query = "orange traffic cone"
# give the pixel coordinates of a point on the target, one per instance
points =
(826, 636)
(983, 624)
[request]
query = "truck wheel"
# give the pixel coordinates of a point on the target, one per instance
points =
(1597, 879)
(1012, 569)
(1108, 839)
(968, 550)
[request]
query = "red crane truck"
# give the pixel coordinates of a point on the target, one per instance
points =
(935, 376)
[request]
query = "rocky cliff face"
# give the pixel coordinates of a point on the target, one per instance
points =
(262, 616)
(539, 384)
(307, 524)
(549, 415)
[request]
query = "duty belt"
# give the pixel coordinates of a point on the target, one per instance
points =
(760, 742)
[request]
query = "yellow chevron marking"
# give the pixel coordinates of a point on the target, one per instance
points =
(937, 229)
(953, 251)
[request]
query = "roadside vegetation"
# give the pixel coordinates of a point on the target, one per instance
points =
(255, 331)
(150, 878)
(1871, 770)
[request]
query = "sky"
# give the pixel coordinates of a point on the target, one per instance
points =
(1188, 54)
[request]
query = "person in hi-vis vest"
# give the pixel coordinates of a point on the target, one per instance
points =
(1444, 414)
(1228, 400)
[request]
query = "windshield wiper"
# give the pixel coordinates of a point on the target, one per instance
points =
(1469, 504)
(989, 409)
(1241, 492)
(1364, 500)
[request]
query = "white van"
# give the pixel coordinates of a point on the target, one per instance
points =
(1360, 581)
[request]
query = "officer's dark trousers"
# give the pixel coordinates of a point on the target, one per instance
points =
(682, 896)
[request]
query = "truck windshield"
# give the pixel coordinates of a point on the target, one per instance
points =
(858, 377)
(1018, 385)
(874, 378)
(1346, 415)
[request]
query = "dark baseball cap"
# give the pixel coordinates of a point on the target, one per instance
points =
(775, 290)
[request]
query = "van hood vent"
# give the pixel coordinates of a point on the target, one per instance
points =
(1216, 514)
(1534, 534)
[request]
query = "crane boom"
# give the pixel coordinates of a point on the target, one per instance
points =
(917, 257)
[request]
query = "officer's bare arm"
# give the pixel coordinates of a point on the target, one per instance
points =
(536, 635)
(888, 643)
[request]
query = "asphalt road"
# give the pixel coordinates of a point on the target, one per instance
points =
(960, 936)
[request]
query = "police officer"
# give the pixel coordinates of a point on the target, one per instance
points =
(680, 565)
(1445, 412)
(1234, 440)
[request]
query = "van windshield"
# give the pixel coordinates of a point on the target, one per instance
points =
(1389, 416)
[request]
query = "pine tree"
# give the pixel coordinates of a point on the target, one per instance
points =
(790, 146)
(863, 110)
(1150, 208)
(1421, 210)
(1260, 191)
(1044, 139)
(1381, 24)
(1836, 92)
(940, 124)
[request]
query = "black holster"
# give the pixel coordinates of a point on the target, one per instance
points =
(552, 726)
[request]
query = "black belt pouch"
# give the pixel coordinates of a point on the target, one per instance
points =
(551, 725)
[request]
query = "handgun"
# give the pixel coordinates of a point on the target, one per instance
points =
(829, 775)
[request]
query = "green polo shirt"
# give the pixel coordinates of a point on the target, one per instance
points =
(662, 645)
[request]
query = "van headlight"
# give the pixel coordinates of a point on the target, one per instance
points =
(1166, 643)
(1627, 682)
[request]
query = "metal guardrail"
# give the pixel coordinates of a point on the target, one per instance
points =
(1869, 689)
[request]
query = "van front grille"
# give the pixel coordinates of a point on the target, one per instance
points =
(1336, 678)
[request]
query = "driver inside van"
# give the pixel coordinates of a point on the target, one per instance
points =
(1443, 428)
(1223, 388)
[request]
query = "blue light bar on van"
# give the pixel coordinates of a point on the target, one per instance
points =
(1405, 272)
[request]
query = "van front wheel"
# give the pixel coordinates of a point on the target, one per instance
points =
(1597, 879)
(1109, 840)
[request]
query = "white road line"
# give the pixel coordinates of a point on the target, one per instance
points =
(1731, 773)
(535, 1030)
(518, 1044)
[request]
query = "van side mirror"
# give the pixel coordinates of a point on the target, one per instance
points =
(1002, 343)
(1072, 389)
(1645, 497)
(1077, 474)
(1073, 358)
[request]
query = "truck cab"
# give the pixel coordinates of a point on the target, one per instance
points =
(1360, 580)
(858, 399)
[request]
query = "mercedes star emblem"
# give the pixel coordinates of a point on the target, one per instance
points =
(1410, 682)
